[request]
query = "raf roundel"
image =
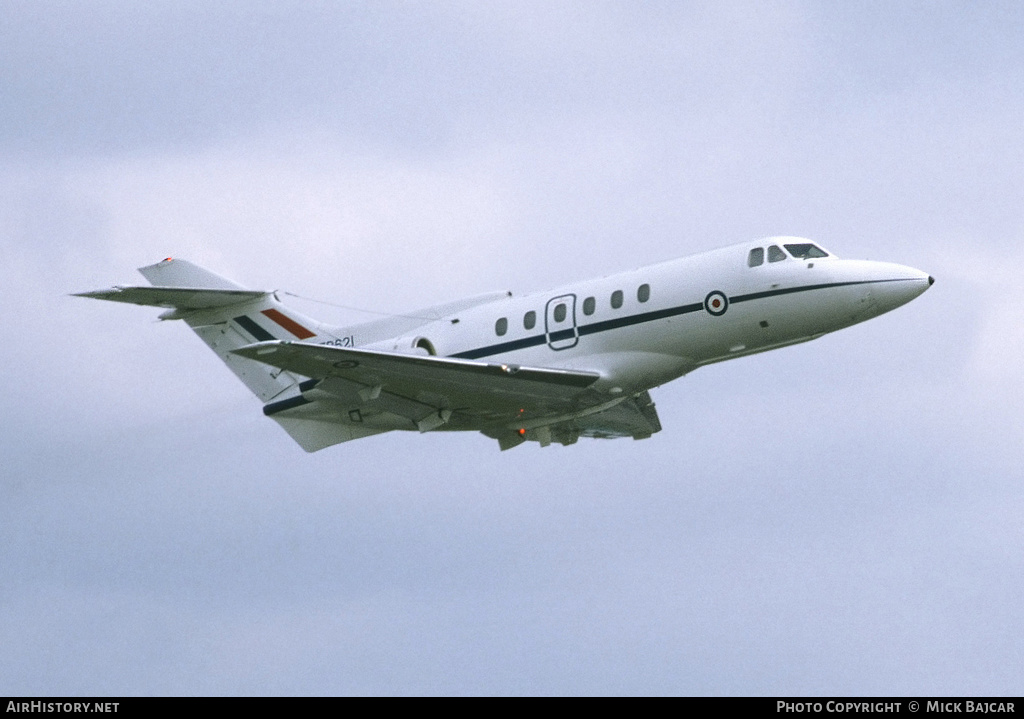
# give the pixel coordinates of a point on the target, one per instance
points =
(716, 303)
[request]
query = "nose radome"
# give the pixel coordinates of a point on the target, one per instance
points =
(899, 285)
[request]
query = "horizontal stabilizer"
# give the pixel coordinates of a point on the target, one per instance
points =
(181, 285)
(174, 297)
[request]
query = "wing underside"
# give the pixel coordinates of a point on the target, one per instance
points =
(353, 393)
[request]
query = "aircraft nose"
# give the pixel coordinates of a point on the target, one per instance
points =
(900, 285)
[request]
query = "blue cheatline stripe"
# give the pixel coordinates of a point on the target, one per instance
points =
(590, 329)
(254, 329)
(561, 335)
(593, 328)
(803, 288)
(619, 322)
(503, 347)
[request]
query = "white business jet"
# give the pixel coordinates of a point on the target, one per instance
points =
(547, 367)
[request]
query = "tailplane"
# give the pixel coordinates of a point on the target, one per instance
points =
(226, 316)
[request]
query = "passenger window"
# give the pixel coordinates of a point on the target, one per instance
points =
(589, 305)
(501, 326)
(560, 312)
(530, 320)
(775, 254)
(643, 292)
(616, 299)
(756, 257)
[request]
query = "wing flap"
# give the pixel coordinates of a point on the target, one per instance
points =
(635, 417)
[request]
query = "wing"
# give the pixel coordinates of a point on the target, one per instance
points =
(379, 391)
(454, 383)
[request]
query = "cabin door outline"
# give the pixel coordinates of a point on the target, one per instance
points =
(560, 329)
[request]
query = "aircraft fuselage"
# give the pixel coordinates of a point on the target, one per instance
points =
(550, 367)
(645, 327)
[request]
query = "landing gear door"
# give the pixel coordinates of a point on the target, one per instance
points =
(560, 322)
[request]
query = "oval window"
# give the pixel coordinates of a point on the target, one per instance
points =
(530, 320)
(560, 311)
(589, 305)
(643, 292)
(501, 326)
(616, 299)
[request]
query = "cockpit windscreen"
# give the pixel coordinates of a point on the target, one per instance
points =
(805, 251)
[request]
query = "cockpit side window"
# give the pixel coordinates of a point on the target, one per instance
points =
(806, 251)
(775, 254)
(756, 257)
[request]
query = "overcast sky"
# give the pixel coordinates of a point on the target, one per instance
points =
(840, 517)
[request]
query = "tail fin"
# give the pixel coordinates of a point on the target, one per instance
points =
(182, 273)
(226, 316)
